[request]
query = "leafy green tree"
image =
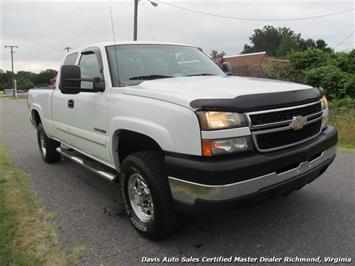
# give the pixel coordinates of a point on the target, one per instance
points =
(24, 83)
(21, 75)
(267, 39)
(330, 78)
(216, 54)
(275, 70)
(44, 77)
(279, 42)
(349, 86)
(5, 80)
(26, 79)
(311, 58)
(321, 44)
(289, 42)
(345, 61)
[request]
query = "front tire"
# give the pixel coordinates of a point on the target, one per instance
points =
(47, 146)
(146, 195)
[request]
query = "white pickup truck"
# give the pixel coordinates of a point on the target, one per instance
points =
(177, 132)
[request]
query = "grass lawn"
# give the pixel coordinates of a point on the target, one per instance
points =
(344, 121)
(9, 96)
(26, 233)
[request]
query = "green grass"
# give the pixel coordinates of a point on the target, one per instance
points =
(344, 120)
(9, 96)
(26, 233)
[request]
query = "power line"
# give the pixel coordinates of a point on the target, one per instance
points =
(347, 38)
(253, 19)
(13, 80)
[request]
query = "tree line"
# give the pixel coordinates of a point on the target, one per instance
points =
(26, 79)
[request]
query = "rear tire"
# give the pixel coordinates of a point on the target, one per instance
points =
(47, 146)
(146, 195)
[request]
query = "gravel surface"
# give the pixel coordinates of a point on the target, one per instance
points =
(315, 221)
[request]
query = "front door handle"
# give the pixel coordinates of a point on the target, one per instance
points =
(71, 103)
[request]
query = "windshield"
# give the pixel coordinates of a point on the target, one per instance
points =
(136, 63)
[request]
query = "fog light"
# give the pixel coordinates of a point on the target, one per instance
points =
(226, 146)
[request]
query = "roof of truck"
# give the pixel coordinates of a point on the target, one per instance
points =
(103, 44)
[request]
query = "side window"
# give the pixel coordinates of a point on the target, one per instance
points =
(70, 59)
(90, 68)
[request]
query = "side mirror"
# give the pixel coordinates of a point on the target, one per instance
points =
(98, 85)
(70, 79)
(227, 68)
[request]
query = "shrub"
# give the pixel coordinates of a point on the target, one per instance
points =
(345, 61)
(330, 78)
(349, 85)
(276, 70)
(308, 59)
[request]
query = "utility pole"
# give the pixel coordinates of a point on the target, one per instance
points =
(67, 48)
(135, 19)
(13, 80)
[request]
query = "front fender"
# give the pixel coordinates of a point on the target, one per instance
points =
(148, 128)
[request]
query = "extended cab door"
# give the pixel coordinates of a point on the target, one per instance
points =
(61, 112)
(88, 121)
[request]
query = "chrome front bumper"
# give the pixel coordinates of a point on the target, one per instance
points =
(188, 192)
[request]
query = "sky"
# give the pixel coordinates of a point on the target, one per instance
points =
(42, 29)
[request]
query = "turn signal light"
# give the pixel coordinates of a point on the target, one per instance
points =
(212, 147)
(207, 147)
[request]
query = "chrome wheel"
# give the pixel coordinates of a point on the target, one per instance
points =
(140, 197)
(42, 143)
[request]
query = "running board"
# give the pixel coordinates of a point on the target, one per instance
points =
(89, 164)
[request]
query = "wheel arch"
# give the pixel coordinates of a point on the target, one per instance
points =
(35, 117)
(137, 135)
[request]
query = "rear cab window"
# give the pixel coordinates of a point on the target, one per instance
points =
(70, 59)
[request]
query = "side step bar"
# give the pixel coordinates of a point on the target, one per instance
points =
(89, 164)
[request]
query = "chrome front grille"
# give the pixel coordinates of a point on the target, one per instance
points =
(285, 127)
(285, 115)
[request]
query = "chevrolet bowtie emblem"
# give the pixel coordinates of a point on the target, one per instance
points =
(298, 122)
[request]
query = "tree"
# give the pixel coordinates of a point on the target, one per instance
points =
(267, 39)
(216, 54)
(289, 42)
(26, 79)
(44, 77)
(331, 79)
(5, 80)
(24, 84)
(279, 42)
(321, 44)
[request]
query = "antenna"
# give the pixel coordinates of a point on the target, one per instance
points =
(114, 43)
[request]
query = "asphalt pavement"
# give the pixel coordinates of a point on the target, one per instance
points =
(318, 220)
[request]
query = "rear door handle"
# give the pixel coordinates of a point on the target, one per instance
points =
(71, 103)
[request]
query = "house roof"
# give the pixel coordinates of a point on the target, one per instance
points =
(246, 60)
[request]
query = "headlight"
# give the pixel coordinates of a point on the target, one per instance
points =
(325, 115)
(324, 103)
(226, 146)
(220, 120)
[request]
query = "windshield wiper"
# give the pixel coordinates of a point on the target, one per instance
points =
(200, 74)
(148, 77)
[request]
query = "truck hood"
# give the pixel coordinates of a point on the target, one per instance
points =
(184, 90)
